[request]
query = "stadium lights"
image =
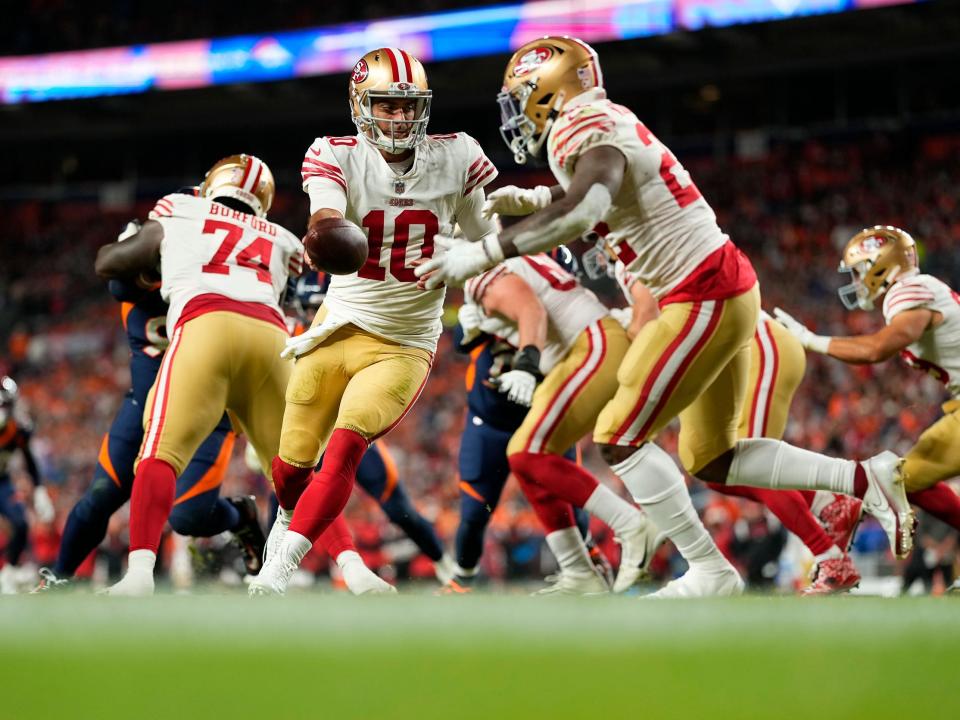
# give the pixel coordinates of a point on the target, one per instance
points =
(330, 50)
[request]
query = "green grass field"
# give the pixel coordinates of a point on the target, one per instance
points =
(416, 656)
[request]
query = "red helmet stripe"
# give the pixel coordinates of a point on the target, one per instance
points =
(407, 65)
(393, 63)
(256, 178)
(246, 171)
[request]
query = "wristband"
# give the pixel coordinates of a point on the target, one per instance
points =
(527, 359)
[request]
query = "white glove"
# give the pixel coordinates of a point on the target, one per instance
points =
(469, 316)
(305, 342)
(511, 200)
(518, 385)
(623, 315)
(129, 230)
(43, 505)
(251, 459)
(459, 260)
(809, 339)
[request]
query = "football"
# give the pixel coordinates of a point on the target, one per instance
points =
(336, 246)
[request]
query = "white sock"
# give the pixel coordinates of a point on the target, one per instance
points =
(760, 462)
(285, 515)
(295, 546)
(347, 557)
(141, 562)
(465, 572)
(821, 499)
(616, 512)
(568, 547)
(657, 485)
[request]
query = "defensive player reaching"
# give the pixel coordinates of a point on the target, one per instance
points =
(922, 316)
(777, 364)
(198, 510)
(565, 370)
(223, 267)
(363, 364)
(15, 430)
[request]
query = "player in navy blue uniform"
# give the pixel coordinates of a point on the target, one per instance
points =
(198, 509)
(15, 430)
(377, 472)
(492, 420)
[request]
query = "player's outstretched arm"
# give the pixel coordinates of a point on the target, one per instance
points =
(132, 256)
(904, 329)
(596, 180)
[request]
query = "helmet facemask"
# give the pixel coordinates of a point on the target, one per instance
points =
(371, 126)
(856, 295)
(519, 132)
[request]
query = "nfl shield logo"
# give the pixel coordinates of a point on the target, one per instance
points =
(399, 186)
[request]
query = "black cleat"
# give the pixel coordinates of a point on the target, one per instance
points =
(249, 534)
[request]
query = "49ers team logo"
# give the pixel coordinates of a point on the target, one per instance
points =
(360, 71)
(529, 61)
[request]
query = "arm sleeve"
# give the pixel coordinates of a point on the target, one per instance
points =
(591, 129)
(323, 178)
(906, 296)
(480, 171)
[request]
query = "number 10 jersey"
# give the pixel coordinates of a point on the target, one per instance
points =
(401, 214)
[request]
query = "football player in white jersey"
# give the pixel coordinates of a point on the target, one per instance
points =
(567, 338)
(366, 358)
(694, 358)
(922, 316)
(223, 267)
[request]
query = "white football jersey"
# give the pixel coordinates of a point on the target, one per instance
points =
(571, 308)
(401, 214)
(660, 225)
(937, 352)
(208, 248)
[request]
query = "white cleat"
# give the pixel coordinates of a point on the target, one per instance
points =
(275, 538)
(569, 583)
(133, 584)
(273, 577)
(637, 549)
(8, 580)
(445, 569)
(886, 500)
(700, 583)
(361, 580)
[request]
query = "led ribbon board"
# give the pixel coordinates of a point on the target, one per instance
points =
(331, 50)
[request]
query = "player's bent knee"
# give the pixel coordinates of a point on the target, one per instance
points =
(715, 470)
(300, 448)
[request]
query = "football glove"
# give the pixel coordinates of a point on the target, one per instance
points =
(459, 260)
(469, 316)
(518, 386)
(129, 230)
(43, 505)
(623, 315)
(511, 200)
(809, 339)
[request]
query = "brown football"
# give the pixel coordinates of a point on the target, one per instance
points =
(336, 246)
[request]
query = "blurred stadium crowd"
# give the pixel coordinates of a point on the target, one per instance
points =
(791, 208)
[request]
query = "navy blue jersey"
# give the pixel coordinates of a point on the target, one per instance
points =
(14, 435)
(144, 316)
(488, 361)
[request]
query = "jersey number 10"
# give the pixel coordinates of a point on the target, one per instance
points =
(397, 241)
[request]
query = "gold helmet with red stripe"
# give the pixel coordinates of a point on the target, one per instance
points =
(390, 74)
(243, 177)
(875, 258)
(541, 77)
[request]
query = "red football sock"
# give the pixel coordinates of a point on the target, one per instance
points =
(289, 482)
(859, 481)
(337, 538)
(552, 512)
(791, 509)
(940, 501)
(330, 487)
(560, 476)
(151, 501)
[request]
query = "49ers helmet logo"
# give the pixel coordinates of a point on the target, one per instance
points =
(530, 61)
(360, 72)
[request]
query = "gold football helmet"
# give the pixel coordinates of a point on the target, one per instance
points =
(541, 77)
(875, 258)
(244, 177)
(390, 74)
